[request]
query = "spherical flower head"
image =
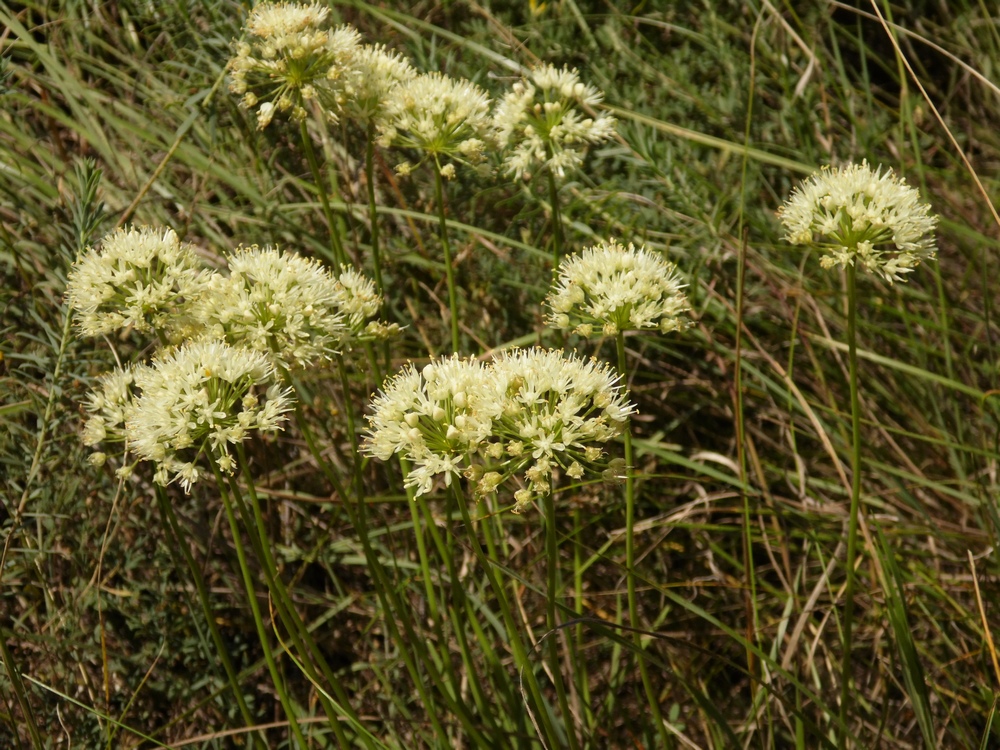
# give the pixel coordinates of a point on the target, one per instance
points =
(357, 299)
(139, 277)
(110, 405)
(433, 416)
(290, 61)
(376, 72)
(856, 213)
(200, 399)
(280, 304)
(445, 118)
(553, 410)
(542, 120)
(610, 288)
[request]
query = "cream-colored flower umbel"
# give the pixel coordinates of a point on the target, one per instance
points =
(289, 60)
(198, 401)
(542, 121)
(609, 288)
(138, 277)
(358, 300)
(554, 411)
(856, 213)
(110, 406)
(377, 71)
(434, 417)
(280, 304)
(519, 417)
(446, 119)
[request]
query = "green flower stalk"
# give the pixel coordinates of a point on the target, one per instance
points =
(446, 120)
(606, 290)
(377, 72)
(875, 220)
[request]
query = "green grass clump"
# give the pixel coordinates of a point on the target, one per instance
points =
(312, 599)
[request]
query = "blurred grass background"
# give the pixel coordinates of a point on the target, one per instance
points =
(723, 106)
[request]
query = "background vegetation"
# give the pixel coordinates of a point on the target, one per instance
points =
(722, 107)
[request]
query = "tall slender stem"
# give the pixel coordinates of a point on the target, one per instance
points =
(855, 511)
(633, 607)
(551, 616)
(449, 269)
(262, 635)
(299, 634)
(167, 510)
(557, 227)
(373, 211)
(336, 247)
(541, 712)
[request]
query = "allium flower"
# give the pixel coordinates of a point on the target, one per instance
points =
(281, 304)
(867, 215)
(377, 72)
(199, 400)
(432, 417)
(617, 289)
(541, 120)
(358, 300)
(110, 406)
(445, 118)
(554, 410)
(290, 60)
(139, 278)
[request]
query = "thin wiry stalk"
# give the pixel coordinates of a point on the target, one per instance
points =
(262, 634)
(448, 263)
(181, 542)
(855, 510)
(551, 615)
(336, 246)
(633, 607)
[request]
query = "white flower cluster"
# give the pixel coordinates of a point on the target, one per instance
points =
(870, 216)
(377, 71)
(273, 312)
(356, 297)
(541, 120)
(444, 118)
(290, 61)
(610, 288)
(139, 278)
(520, 416)
(200, 399)
(280, 304)
(197, 400)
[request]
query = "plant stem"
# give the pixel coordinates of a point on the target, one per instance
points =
(336, 247)
(449, 270)
(179, 538)
(551, 616)
(541, 712)
(633, 607)
(373, 212)
(557, 227)
(855, 511)
(262, 635)
(298, 633)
